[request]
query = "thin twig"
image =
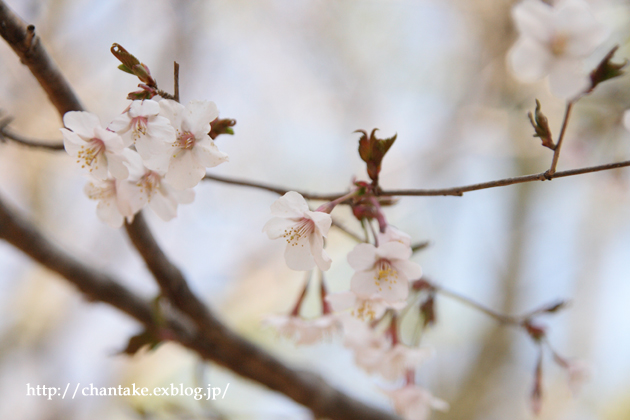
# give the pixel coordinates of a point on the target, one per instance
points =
(556, 152)
(274, 189)
(176, 80)
(7, 134)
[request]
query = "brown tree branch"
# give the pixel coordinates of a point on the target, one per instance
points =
(8, 134)
(556, 151)
(213, 340)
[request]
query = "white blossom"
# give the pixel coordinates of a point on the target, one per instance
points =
(193, 150)
(141, 126)
(554, 41)
(111, 209)
(302, 229)
(384, 270)
(146, 186)
(94, 147)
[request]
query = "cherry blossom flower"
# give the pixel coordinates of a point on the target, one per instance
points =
(384, 270)
(146, 186)
(364, 308)
(367, 345)
(553, 41)
(304, 331)
(94, 147)
(415, 403)
(193, 150)
(149, 132)
(400, 358)
(393, 234)
(302, 229)
(110, 209)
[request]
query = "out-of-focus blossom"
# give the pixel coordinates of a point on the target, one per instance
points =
(392, 234)
(141, 125)
(554, 41)
(304, 331)
(384, 270)
(367, 309)
(110, 209)
(415, 403)
(302, 229)
(94, 147)
(193, 150)
(400, 358)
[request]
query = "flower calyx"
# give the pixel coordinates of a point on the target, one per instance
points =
(541, 126)
(607, 70)
(221, 126)
(372, 150)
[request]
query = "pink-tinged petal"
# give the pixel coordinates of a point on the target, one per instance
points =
(208, 154)
(410, 269)
(134, 164)
(322, 221)
(107, 211)
(134, 197)
(341, 301)
(98, 168)
(146, 108)
(393, 234)
(322, 260)
(364, 285)
(120, 124)
(82, 123)
(173, 111)
(583, 42)
(71, 142)
(362, 257)
(567, 79)
(393, 251)
(290, 205)
(199, 116)
(534, 19)
(159, 162)
(184, 171)
(181, 196)
(298, 256)
(160, 128)
(165, 207)
(277, 226)
(394, 292)
(116, 166)
(529, 60)
(113, 142)
(151, 148)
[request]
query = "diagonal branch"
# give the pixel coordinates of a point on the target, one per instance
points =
(8, 134)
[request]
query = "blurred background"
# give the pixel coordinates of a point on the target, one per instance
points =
(300, 77)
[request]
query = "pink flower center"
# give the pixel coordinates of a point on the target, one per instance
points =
(139, 125)
(186, 140)
(300, 230)
(89, 152)
(150, 183)
(385, 273)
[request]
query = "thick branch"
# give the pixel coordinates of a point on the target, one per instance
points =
(28, 47)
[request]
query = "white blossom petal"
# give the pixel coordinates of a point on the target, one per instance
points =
(82, 123)
(184, 171)
(208, 153)
(362, 257)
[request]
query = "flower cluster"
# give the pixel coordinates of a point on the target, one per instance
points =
(152, 154)
(554, 41)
